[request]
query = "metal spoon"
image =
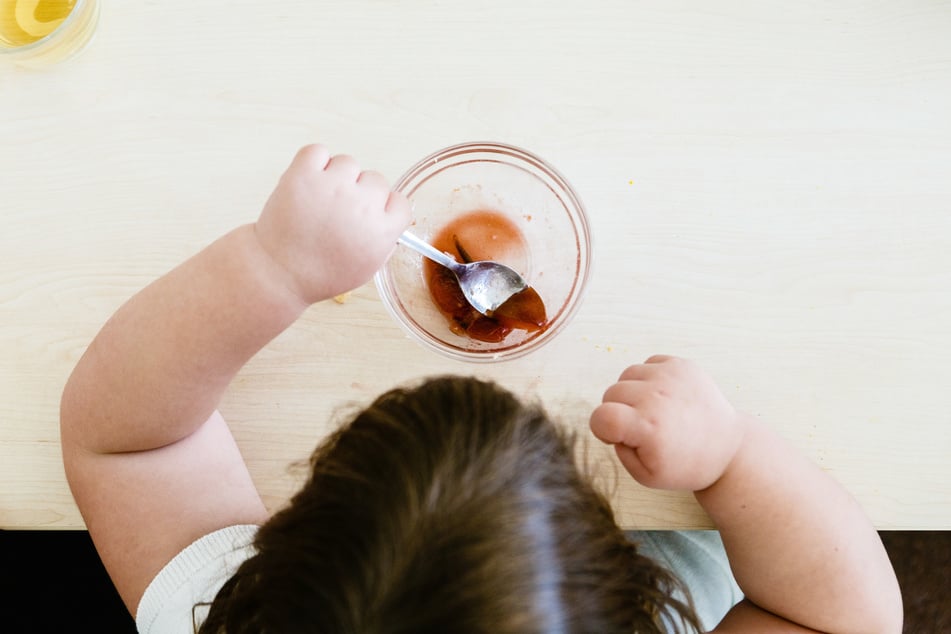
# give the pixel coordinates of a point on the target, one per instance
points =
(485, 284)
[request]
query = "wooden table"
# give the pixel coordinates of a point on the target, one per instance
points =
(768, 184)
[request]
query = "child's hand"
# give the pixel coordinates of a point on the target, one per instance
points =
(329, 225)
(671, 426)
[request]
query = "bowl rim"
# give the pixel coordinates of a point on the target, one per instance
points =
(579, 220)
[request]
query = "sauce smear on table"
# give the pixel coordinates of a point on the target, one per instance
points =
(482, 235)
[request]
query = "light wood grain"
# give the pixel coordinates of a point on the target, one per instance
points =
(768, 184)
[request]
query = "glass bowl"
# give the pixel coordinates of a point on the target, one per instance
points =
(65, 40)
(553, 252)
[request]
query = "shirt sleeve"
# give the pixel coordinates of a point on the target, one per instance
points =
(172, 603)
(699, 560)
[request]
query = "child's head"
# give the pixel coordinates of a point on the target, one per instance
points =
(450, 507)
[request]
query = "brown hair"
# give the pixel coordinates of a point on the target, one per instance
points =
(449, 507)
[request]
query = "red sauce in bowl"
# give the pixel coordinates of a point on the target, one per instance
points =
(482, 235)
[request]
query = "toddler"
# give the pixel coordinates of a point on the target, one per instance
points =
(450, 505)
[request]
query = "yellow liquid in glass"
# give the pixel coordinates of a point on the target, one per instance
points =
(23, 22)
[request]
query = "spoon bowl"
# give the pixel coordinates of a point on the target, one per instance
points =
(486, 285)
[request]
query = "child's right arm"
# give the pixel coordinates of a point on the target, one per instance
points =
(801, 548)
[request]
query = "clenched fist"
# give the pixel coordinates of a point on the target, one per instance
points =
(670, 425)
(329, 224)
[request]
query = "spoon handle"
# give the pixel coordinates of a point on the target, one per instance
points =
(424, 248)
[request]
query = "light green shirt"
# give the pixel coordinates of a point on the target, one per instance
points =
(196, 574)
(699, 560)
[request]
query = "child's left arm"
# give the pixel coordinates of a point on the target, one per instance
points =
(150, 461)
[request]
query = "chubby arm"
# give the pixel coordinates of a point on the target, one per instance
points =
(151, 463)
(801, 548)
